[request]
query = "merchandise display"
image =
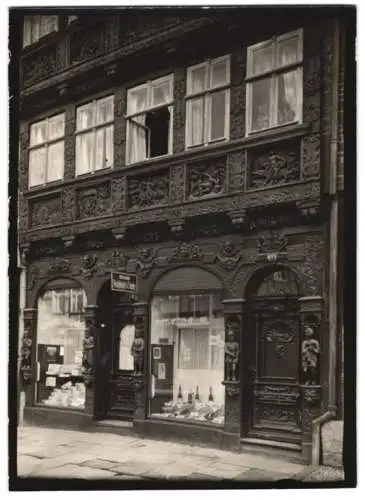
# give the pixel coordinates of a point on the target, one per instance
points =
(69, 395)
(209, 412)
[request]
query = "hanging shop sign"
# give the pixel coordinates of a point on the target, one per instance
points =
(123, 282)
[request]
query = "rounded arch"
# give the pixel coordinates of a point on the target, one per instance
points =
(257, 275)
(186, 278)
(59, 281)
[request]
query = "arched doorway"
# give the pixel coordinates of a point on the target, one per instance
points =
(114, 387)
(274, 353)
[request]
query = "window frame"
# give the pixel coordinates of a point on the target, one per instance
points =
(148, 85)
(36, 20)
(206, 94)
(273, 74)
(45, 144)
(94, 128)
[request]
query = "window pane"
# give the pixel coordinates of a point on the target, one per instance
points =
(56, 127)
(137, 100)
(47, 24)
(36, 22)
(109, 146)
(85, 116)
(161, 93)
(100, 149)
(37, 161)
(84, 153)
(59, 352)
(126, 361)
(262, 60)
(27, 31)
(218, 115)
(55, 161)
(195, 121)
(197, 79)
(289, 89)
(220, 73)
(260, 104)
(288, 51)
(105, 110)
(38, 133)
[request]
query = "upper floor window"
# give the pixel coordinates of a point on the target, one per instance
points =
(46, 150)
(275, 87)
(71, 19)
(207, 102)
(149, 120)
(95, 135)
(35, 27)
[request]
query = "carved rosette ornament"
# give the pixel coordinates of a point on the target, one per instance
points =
(229, 255)
(88, 356)
(186, 251)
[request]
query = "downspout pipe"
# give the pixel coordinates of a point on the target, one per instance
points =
(331, 412)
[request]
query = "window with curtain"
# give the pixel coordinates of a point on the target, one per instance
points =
(46, 150)
(95, 135)
(149, 120)
(207, 102)
(274, 82)
(36, 27)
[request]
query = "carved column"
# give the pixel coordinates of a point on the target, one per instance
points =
(139, 352)
(28, 369)
(233, 320)
(310, 358)
(89, 357)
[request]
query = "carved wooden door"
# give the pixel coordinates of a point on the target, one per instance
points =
(275, 407)
(121, 402)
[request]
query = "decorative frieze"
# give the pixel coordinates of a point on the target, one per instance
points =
(311, 160)
(177, 183)
(93, 201)
(116, 260)
(236, 165)
(46, 211)
(273, 165)
(185, 252)
(148, 190)
(280, 395)
(229, 255)
(59, 266)
(43, 63)
(207, 177)
(118, 194)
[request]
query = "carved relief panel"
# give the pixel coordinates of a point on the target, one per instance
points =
(273, 165)
(43, 63)
(46, 211)
(148, 190)
(93, 201)
(206, 177)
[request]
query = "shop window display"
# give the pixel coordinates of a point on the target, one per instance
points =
(60, 335)
(187, 358)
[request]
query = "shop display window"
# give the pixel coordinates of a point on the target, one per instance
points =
(187, 358)
(60, 335)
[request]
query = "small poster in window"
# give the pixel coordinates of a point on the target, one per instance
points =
(156, 353)
(161, 371)
(62, 350)
(78, 357)
(50, 381)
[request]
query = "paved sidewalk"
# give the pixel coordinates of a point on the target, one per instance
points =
(44, 452)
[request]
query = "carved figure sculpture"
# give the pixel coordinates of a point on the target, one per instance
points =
(231, 350)
(87, 356)
(137, 351)
(310, 356)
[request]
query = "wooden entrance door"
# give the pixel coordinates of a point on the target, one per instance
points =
(275, 361)
(121, 401)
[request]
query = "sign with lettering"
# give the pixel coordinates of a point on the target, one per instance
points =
(123, 282)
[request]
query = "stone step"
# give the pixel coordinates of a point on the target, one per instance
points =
(277, 449)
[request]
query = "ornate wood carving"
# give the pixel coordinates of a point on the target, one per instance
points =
(144, 25)
(118, 194)
(89, 43)
(68, 204)
(46, 211)
(277, 164)
(280, 395)
(33, 275)
(179, 111)
(236, 165)
(229, 255)
(310, 353)
(93, 201)
(177, 183)
(88, 266)
(207, 177)
(146, 260)
(311, 160)
(148, 190)
(43, 63)
(59, 266)
(272, 243)
(185, 252)
(274, 414)
(116, 260)
(279, 331)
(312, 395)
(231, 348)
(88, 357)
(26, 368)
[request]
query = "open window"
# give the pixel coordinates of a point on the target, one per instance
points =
(149, 120)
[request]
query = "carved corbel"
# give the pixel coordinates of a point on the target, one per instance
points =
(238, 219)
(68, 241)
(24, 255)
(62, 89)
(309, 208)
(119, 233)
(177, 227)
(111, 70)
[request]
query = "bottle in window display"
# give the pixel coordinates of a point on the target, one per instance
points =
(210, 397)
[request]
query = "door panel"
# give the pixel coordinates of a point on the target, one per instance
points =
(275, 411)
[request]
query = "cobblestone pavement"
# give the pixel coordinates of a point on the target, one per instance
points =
(44, 452)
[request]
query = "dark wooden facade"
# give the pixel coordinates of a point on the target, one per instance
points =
(250, 225)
